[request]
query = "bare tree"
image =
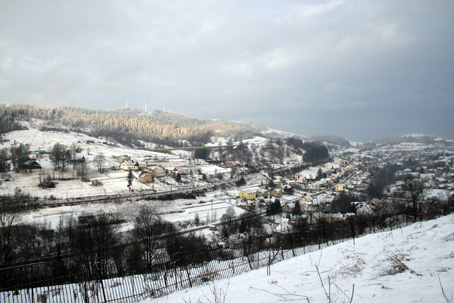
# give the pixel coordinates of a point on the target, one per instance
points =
(4, 166)
(415, 189)
(18, 157)
(60, 155)
(227, 222)
(82, 169)
(100, 160)
(73, 155)
(9, 211)
(148, 226)
(95, 239)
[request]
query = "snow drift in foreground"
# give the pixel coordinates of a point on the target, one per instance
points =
(412, 264)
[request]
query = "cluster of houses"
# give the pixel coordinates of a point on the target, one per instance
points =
(432, 177)
(229, 164)
(126, 163)
(146, 174)
(272, 190)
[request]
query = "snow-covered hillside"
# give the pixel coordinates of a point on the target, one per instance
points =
(412, 264)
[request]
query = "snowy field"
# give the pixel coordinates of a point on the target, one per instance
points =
(412, 264)
(209, 208)
(113, 183)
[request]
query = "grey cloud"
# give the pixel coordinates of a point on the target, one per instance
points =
(310, 67)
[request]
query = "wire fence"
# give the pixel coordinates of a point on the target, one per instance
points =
(166, 275)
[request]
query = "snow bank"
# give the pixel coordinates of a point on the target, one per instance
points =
(404, 265)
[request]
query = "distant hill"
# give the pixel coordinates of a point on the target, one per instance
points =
(413, 138)
(331, 139)
(130, 124)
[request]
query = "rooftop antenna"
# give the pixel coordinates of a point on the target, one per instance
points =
(145, 107)
(126, 102)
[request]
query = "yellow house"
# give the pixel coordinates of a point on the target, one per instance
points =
(304, 199)
(145, 177)
(340, 187)
(141, 165)
(244, 195)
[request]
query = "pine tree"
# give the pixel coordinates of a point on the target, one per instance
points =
(130, 177)
(297, 209)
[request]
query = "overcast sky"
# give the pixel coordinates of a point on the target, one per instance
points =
(357, 69)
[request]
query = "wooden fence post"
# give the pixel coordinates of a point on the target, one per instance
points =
(186, 266)
(291, 242)
(102, 283)
(33, 296)
(247, 255)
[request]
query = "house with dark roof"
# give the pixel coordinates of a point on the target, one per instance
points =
(31, 165)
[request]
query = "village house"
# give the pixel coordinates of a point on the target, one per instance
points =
(158, 172)
(141, 165)
(32, 164)
(128, 165)
(440, 182)
(306, 198)
(261, 194)
(336, 218)
(315, 218)
(146, 177)
(300, 178)
(175, 171)
(248, 205)
(366, 209)
(244, 195)
(263, 203)
(356, 181)
(180, 170)
(314, 186)
(277, 192)
(281, 226)
(340, 187)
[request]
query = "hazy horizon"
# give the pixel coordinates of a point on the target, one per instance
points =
(360, 70)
